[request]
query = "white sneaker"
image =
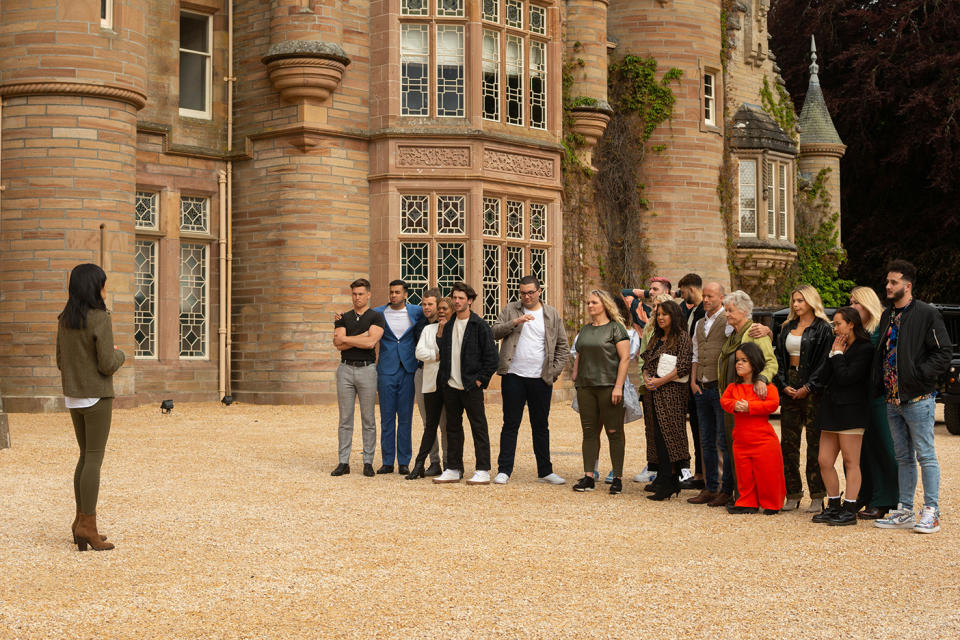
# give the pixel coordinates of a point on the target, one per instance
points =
(480, 477)
(449, 475)
(685, 474)
(929, 521)
(552, 479)
(645, 476)
(501, 478)
(899, 518)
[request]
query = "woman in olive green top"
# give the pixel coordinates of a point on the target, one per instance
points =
(87, 359)
(603, 355)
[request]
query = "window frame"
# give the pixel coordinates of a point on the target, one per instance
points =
(106, 14)
(184, 112)
(740, 232)
(206, 299)
(154, 242)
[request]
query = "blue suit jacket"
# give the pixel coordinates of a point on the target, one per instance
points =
(399, 353)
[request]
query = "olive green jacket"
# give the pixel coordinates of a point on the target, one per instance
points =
(86, 357)
(726, 373)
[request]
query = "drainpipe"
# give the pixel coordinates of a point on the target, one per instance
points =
(222, 253)
(226, 272)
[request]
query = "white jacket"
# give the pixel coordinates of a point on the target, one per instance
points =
(428, 352)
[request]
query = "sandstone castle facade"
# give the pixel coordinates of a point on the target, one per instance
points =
(234, 164)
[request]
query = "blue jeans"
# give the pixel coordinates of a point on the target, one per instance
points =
(911, 426)
(713, 439)
(396, 393)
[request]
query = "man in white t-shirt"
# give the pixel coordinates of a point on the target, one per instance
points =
(533, 353)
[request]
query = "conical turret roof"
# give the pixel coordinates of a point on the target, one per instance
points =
(816, 125)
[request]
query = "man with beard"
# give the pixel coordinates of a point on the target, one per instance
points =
(914, 352)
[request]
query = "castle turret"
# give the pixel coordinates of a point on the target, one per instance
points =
(820, 144)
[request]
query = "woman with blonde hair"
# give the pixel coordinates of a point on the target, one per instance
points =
(879, 487)
(599, 372)
(801, 349)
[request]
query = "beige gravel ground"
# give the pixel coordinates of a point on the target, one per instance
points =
(228, 525)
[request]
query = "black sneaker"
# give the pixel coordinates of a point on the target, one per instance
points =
(616, 487)
(341, 470)
(584, 484)
(368, 470)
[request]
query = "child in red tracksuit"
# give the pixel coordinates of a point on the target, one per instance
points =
(756, 449)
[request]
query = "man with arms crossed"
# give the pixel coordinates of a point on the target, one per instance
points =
(532, 356)
(428, 303)
(913, 353)
(355, 335)
(395, 371)
(468, 359)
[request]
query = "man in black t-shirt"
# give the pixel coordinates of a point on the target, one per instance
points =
(356, 334)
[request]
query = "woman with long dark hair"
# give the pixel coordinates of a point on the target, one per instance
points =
(844, 414)
(87, 359)
(665, 402)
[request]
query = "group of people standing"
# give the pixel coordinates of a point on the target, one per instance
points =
(861, 385)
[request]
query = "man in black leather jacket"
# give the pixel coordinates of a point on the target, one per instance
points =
(913, 353)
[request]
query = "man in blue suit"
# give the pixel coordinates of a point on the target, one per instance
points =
(396, 367)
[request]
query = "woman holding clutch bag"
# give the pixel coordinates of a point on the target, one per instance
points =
(666, 370)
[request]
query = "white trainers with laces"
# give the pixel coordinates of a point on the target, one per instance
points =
(448, 475)
(480, 477)
(552, 479)
(899, 518)
(645, 476)
(501, 478)
(929, 521)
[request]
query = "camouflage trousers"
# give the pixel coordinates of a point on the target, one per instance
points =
(795, 415)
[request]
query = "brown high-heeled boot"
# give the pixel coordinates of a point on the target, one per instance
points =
(87, 534)
(73, 527)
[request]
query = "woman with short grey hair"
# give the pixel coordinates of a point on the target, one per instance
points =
(740, 300)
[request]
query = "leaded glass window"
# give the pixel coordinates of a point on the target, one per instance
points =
(782, 201)
(538, 269)
(491, 10)
(538, 85)
(515, 270)
(709, 98)
(538, 20)
(414, 7)
(194, 214)
(414, 214)
(515, 14)
(771, 200)
(146, 208)
(748, 198)
(514, 219)
(452, 8)
(538, 221)
(514, 60)
(450, 71)
(193, 300)
(415, 268)
(145, 299)
(491, 75)
(414, 63)
(491, 217)
(491, 282)
(451, 265)
(451, 214)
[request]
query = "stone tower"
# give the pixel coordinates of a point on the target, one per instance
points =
(820, 144)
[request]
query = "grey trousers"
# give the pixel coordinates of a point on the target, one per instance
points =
(353, 383)
(435, 451)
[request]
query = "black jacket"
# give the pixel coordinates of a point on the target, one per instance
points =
(923, 351)
(478, 353)
(815, 346)
(846, 376)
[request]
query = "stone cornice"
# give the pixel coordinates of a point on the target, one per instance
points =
(121, 94)
(822, 149)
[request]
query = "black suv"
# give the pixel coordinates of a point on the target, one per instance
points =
(949, 387)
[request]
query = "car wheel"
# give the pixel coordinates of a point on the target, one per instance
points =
(951, 415)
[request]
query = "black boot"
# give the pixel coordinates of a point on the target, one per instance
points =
(845, 516)
(417, 471)
(433, 470)
(666, 490)
(834, 506)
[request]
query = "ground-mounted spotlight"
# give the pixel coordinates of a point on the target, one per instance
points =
(166, 406)
(227, 400)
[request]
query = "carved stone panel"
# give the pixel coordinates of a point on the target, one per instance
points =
(432, 156)
(518, 163)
